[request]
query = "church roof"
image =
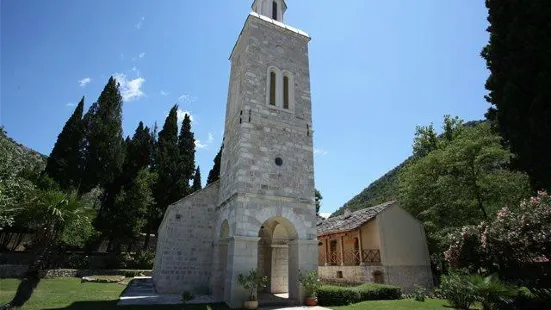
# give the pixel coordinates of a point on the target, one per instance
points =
(354, 220)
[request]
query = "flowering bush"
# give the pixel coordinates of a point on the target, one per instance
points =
(516, 237)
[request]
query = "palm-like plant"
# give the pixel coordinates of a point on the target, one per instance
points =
(49, 214)
(492, 292)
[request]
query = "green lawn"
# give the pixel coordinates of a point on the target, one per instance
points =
(69, 293)
(429, 304)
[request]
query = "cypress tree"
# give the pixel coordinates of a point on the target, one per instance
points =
(64, 163)
(186, 147)
(167, 163)
(197, 180)
(139, 151)
(214, 174)
(104, 149)
(519, 85)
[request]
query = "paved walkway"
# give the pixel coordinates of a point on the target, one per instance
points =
(141, 291)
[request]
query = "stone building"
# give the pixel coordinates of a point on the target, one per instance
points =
(382, 244)
(261, 213)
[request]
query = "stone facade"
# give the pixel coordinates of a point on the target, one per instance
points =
(262, 213)
(184, 247)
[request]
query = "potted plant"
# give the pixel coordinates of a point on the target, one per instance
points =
(186, 296)
(252, 282)
(311, 284)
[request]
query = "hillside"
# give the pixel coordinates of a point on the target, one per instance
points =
(20, 153)
(383, 189)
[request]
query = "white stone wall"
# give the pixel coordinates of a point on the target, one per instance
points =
(185, 245)
(280, 269)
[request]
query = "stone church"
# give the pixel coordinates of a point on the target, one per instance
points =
(261, 213)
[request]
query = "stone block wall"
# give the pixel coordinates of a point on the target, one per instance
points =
(407, 277)
(185, 244)
(280, 270)
(255, 132)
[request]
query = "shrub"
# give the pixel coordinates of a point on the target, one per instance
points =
(76, 261)
(458, 290)
(492, 293)
(144, 260)
(186, 296)
(330, 295)
(419, 293)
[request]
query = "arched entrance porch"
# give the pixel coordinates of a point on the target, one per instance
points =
(276, 235)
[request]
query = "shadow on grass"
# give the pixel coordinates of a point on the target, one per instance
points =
(112, 304)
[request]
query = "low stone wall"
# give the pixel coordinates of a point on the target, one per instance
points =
(405, 277)
(18, 271)
(350, 274)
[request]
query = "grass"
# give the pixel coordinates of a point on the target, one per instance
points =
(403, 304)
(69, 293)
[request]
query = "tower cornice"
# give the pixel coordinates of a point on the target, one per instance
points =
(281, 25)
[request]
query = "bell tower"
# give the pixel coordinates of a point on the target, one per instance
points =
(266, 209)
(274, 9)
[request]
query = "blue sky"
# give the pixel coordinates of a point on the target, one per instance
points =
(378, 69)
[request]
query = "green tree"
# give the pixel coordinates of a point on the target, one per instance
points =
(104, 148)
(64, 163)
(460, 183)
(318, 198)
(168, 187)
(131, 207)
(186, 147)
(139, 151)
(197, 180)
(15, 190)
(519, 84)
(214, 174)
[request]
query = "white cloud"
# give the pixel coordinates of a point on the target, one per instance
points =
(164, 93)
(134, 69)
(85, 81)
(70, 104)
(182, 114)
(140, 56)
(325, 214)
(139, 25)
(130, 89)
(200, 145)
(186, 99)
(320, 152)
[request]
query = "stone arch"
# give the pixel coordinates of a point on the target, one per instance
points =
(273, 86)
(286, 216)
(288, 90)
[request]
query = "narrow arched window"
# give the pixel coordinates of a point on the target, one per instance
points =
(272, 88)
(274, 10)
(286, 95)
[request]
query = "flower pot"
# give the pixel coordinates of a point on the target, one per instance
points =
(250, 304)
(311, 301)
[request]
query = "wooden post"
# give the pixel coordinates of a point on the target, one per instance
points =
(342, 250)
(361, 246)
(327, 258)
